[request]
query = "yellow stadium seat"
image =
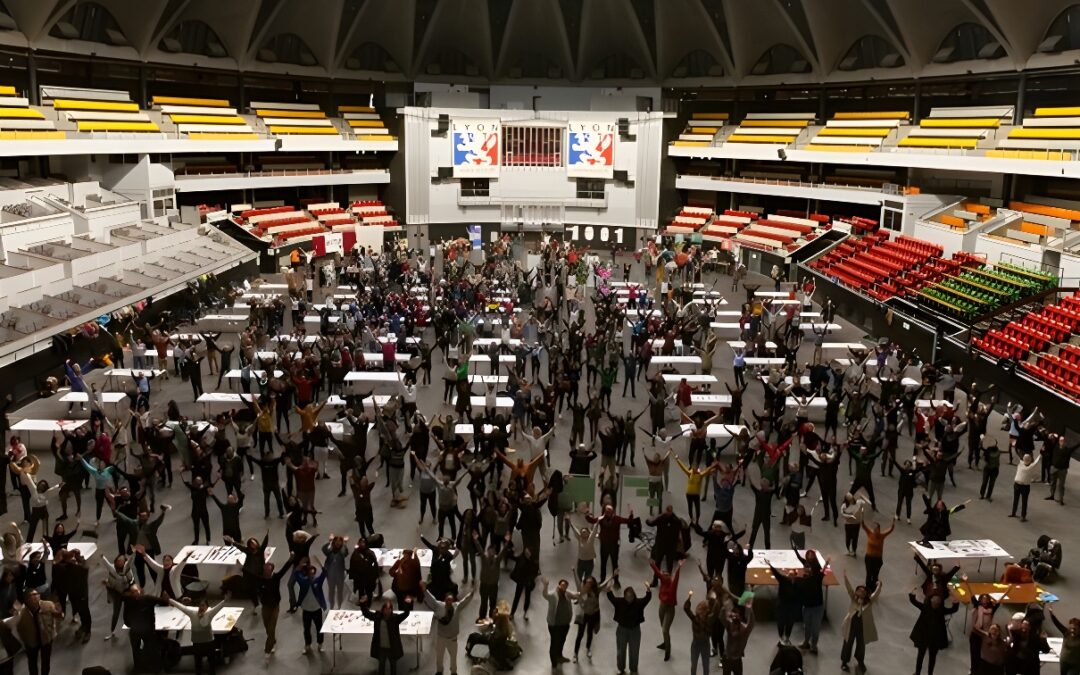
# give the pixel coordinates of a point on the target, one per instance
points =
(855, 131)
(751, 138)
(205, 119)
(1045, 133)
(889, 115)
(961, 123)
(7, 90)
(118, 126)
(798, 124)
(704, 130)
(371, 124)
(32, 135)
(376, 137)
(21, 114)
(936, 142)
(116, 106)
(1058, 112)
(691, 144)
(183, 100)
(342, 109)
(211, 136)
(709, 116)
(295, 114)
(304, 131)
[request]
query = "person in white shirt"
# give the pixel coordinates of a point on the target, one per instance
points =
(1026, 472)
(202, 631)
(447, 614)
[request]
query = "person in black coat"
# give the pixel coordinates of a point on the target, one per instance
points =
(937, 526)
(386, 618)
(930, 632)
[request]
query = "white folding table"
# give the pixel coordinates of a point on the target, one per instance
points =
(86, 548)
(341, 622)
(690, 379)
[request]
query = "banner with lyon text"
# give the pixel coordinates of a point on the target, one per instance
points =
(475, 147)
(591, 150)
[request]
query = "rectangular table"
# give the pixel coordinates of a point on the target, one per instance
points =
(258, 374)
(693, 363)
(690, 379)
(112, 397)
(484, 380)
(341, 622)
(484, 359)
(501, 402)
(710, 401)
(316, 319)
(718, 430)
(961, 549)
(169, 618)
(87, 548)
(376, 378)
(844, 345)
(759, 574)
(487, 342)
(772, 294)
(376, 357)
(388, 556)
(466, 430)
(47, 425)
(308, 339)
(215, 555)
(112, 373)
(222, 398)
(739, 344)
(391, 338)
(764, 361)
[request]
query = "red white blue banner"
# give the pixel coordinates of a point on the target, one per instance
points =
(591, 150)
(476, 147)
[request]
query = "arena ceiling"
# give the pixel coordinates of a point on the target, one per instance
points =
(644, 42)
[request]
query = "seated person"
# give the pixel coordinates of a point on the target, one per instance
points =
(1045, 559)
(503, 647)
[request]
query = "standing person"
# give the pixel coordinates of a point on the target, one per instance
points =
(701, 627)
(335, 553)
(811, 586)
(447, 614)
(669, 600)
(311, 600)
(788, 607)
(1026, 473)
(858, 627)
(982, 617)
(386, 647)
(37, 624)
(930, 633)
(610, 535)
(1070, 644)
(201, 619)
(853, 512)
(1060, 456)
(875, 550)
(588, 612)
(560, 612)
(629, 615)
(268, 592)
(736, 635)
(524, 574)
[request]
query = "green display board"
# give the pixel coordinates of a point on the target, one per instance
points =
(580, 489)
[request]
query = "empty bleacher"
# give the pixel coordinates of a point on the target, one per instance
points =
(857, 131)
(957, 128)
(294, 119)
(20, 122)
(364, 122)
(204, 119)
(98, 110)
(702, 128)
(1051, 133)
(771, 128)
(1044, 342)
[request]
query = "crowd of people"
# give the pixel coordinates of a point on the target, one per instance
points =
(522, 349)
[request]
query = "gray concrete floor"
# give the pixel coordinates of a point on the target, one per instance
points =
(891, 655)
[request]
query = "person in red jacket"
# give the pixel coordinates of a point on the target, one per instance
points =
(669, 600)
(610, 534)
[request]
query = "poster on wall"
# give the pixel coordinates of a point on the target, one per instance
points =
(591, 150)
(476, 147)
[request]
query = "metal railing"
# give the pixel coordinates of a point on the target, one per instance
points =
(276, 172)
(888, 188)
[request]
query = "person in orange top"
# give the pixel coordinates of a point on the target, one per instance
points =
(875, 550)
